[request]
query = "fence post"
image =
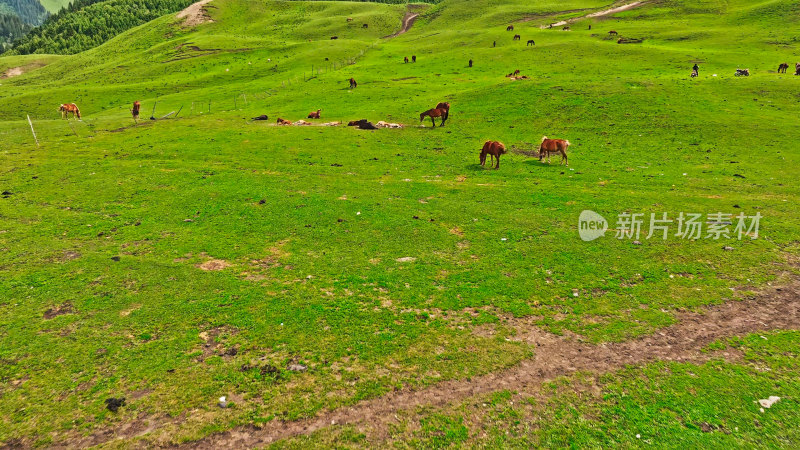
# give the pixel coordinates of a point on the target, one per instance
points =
(34, 133)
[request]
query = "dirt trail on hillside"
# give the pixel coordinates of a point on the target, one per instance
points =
(12, 72)
(408, 22)
(195, 14)
(606, 12)
(555, 356)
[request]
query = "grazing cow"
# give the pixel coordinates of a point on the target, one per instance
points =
(283, 122)
(353, 83)
(742, 73)
(517, 37)
(470, 63)
(613, 33)
(797, 69)
(405, 59)
(413, 58)
(494, 149)
(554, 146)
(135, 110)
(436, 112)
(566, 29)
(510, 28)
(445, 106)
(314, 115)
(783, 67)
(68, 108)
(530, 43)
(333, 38)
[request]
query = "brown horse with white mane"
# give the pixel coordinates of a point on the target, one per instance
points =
(68, 108)
(432, 113)
(494, 149)
(554, 146)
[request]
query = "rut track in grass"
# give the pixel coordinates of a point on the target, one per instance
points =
(555, 356)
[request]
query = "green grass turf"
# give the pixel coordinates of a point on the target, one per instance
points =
(314, 275)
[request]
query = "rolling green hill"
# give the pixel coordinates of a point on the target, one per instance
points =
(353, 288)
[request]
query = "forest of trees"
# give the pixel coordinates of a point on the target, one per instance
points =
(85, 24)
(11, 28)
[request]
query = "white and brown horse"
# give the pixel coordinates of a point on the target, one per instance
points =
(68, 108)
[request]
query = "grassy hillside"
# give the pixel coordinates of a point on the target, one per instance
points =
(378, 260)
(53, 6)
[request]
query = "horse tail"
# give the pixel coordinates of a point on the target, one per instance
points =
(77, 111)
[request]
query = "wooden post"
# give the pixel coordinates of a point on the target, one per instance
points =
(34, 133)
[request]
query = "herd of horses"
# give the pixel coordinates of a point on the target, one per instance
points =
(493, 149)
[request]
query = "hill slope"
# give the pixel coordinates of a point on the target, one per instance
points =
(339, 286)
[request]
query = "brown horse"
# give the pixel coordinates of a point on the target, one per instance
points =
(413, 58)
(349, 19)
(353, 83)
(470, 63)
(68, 108)
(445, 106)
(366, 25)
(783, 67)
(435, 112)
(135, 110)
(494, 149)
(531, 43)
(566, 29)
(613, 33)
(517, 37)
(510, 28)
(283, 122)
(314, 115)
(553, 146)
(797, 69)
(405, 60)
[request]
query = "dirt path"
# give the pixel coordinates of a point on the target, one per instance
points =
(606, 12)
(194, 14)
(555, 356)
(408, 22)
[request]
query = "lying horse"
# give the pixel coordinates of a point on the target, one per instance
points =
(742, 73)
(783, 67)
(283, 122)
(353, 83)
(494, 149)
(566, 29)
(613, 33)
(68, 108)
(435, 112)
(553, 146)
(314, 115)
(135, 110)
(531, 43)
(446, 107)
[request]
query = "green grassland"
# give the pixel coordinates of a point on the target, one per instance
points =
(371, 257)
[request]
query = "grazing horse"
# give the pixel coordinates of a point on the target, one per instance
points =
(783, 67)
(413, 58)
(405, 60)
(510, 28)
(554, 146)
(435, 112)
(333, 38)
(353, 83)
(797, 69)
(366, 25)
(445, 106)
(494, 149)
(135, 110)
(68, 108)
(742, 73)
(530, 43)
(613, 33)
(314, 115)
(517, 37)
(470, 63)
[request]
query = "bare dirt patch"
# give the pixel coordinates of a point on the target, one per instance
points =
(555, 356)
(60, 310)
(603, 13)
(408, 22)
(12, 72)
(195, 14)
(214, 265)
